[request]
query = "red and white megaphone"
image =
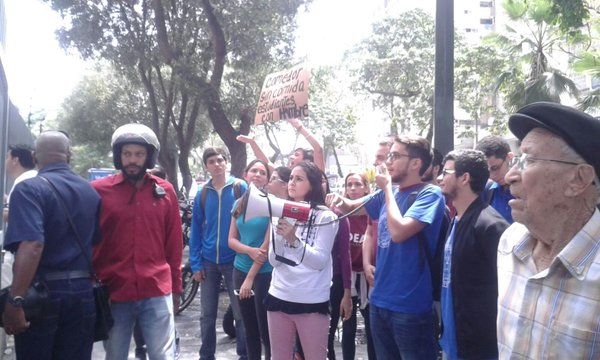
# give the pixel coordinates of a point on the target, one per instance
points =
(257, 204)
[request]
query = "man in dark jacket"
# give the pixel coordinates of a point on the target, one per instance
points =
(469, 281)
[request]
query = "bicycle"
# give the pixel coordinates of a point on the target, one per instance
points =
(190, 286)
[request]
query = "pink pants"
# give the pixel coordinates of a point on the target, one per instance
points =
(312, 328)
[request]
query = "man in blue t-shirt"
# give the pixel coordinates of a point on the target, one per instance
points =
(497, 192)
(402, 322)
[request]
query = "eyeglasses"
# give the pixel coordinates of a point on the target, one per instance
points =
(448, 172)
(393, 156)
(497, 166)
(523, 161)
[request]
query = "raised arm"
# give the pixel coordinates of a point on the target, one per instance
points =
(256, 149)
(317, 148)
(401, 228)
(344, 205)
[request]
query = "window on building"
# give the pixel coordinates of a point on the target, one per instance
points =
(486, 4)
(487, 21)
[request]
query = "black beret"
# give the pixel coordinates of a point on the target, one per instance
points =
(578, 129)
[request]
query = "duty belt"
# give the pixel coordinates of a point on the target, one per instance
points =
(65, 275)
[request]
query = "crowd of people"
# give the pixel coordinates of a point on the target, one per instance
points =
(487, 253)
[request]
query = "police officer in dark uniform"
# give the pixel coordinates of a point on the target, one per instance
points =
(46, 249)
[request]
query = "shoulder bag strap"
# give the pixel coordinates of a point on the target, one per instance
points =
(77, 237)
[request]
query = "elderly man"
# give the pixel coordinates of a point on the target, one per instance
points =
(549, 259)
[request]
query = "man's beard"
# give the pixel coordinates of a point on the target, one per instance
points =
(451, 194)
(135, 176)
(398, 178)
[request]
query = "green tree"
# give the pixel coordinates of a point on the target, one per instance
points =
(475, 74)
(101, 102)
(395, 67)
(569, 15)
(531, 40)
(332, 114)
(589, 64)
(192, 58)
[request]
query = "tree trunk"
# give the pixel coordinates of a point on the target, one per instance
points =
(337, 160)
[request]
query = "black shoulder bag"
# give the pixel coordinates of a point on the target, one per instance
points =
(34, 306)
(104, 319)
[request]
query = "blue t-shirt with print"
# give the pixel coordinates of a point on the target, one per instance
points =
(402, 281)
(448, 339)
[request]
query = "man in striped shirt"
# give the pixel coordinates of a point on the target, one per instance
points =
(549, 259)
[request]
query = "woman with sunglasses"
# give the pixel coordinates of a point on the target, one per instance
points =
(298, 298)
(252, 273)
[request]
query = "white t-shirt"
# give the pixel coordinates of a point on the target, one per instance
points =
(310, 281)
(24, 176)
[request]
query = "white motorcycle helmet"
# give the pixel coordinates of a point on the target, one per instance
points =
(135, 134)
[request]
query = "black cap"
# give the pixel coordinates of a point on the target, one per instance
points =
(578, 129)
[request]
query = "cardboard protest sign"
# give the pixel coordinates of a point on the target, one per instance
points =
(284, 95)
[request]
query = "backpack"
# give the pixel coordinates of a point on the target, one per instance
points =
(237, 193)
(435, 260)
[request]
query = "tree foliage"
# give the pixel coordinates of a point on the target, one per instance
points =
(588, 63)
(396, 69)
(531, 40)
(332, 115)
(193, 59)
(101, 102)
(476, 71)
(569, 15)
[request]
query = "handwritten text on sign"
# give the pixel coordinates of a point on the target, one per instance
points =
(284, 95)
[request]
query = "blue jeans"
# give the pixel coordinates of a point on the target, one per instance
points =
(67, 329)
(209, 297)
(155, 317)
(402, 336)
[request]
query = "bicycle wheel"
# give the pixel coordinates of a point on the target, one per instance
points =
(229, 322)
(190, 288)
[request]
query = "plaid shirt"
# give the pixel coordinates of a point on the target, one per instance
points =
(555, 313)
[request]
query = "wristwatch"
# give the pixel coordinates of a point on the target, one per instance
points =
(16, 301)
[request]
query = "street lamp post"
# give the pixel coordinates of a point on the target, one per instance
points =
(443, 101)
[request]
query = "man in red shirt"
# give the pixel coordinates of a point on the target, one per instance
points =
(140, 254)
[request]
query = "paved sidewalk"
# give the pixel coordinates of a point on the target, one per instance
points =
(189, 331)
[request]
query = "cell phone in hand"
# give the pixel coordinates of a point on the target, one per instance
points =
(237, 292)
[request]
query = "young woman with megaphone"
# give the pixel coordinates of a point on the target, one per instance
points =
(298, 298)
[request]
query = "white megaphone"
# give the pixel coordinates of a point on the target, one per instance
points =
(258, 205)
